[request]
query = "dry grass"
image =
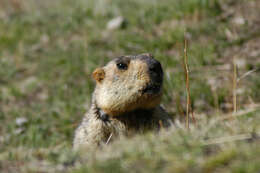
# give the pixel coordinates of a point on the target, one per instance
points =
(187, 84)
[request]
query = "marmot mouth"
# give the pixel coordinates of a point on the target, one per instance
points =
(152, 89)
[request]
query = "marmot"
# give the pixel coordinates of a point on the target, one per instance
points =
(125, 101)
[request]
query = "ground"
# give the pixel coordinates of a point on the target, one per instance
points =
(48, 50)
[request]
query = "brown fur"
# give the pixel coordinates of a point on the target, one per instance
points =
(119, 104)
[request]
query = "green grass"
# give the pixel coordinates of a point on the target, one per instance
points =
(48, 51)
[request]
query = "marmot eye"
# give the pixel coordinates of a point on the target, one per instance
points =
(121, 66)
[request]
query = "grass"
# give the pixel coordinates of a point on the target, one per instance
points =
(48, 51)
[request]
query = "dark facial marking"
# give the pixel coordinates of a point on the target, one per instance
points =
(155, 68)
(152, 89)
(155, 72)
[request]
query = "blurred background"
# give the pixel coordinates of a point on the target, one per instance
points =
(48, 50)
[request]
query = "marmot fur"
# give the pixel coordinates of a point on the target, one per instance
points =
(125, 101)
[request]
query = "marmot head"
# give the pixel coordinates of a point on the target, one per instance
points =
(128, 83)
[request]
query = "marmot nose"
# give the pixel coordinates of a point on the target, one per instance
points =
(156, 72)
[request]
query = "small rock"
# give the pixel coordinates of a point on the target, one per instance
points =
(4, 138)
(229, 34)
(43, 95)
(45, 39)
(239, 21)
(116, 23)
(188, 36)
(241, 63)
(20, 121)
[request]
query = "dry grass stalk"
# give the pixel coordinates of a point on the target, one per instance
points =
(110, 136)
(247, 74)
(186, 69)
(245, 136)
(231, 116)
(234, 88)
(239, 113)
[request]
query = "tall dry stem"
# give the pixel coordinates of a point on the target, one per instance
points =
(234, 88)
(186, 69)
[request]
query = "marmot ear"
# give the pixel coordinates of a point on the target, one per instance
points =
(98, 74)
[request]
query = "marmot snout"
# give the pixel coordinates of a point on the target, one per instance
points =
(156, 75)
(126, 98)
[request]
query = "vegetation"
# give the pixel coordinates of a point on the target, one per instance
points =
(48, 50)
